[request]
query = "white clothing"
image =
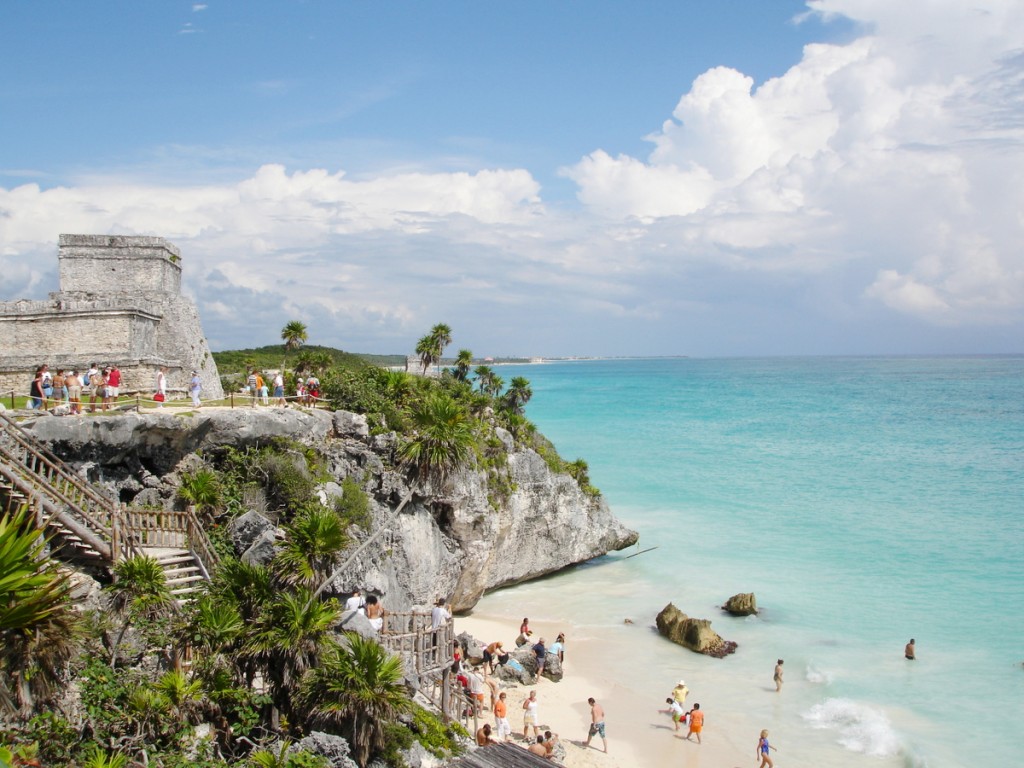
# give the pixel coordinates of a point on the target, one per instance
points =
(503, 726)
(354, 603)
(377, 623)
(438, 616)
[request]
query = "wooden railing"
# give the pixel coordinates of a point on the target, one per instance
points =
(199, 544)
(62, 494)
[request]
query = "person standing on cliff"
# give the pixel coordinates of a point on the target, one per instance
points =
(113, 386)
(161, 386)
(195, 386)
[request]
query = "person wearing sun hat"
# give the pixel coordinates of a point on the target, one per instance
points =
(680, 692)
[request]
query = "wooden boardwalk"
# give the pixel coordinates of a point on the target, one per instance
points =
(503, 756)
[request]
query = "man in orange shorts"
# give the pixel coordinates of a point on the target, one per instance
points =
(696, 722)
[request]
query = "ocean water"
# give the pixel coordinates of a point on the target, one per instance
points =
(864, 500)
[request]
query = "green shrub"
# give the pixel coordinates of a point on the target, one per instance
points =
(353, 507)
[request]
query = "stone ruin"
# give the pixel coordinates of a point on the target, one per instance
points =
(119, 303)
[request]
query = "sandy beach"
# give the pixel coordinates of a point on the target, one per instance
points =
(638, 735)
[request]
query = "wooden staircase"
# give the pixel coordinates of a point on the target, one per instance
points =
(92, 530)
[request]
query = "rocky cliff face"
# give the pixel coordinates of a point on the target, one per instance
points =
(455, 540)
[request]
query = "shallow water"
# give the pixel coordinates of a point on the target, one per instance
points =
(864, 500)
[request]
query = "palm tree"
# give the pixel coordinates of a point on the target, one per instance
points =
(425, 349)
(431, 347)
(202, 490)
(315, 538)
(518, 395)
(313, 362)
(442, 441)
(38, 629)
(289, 637)
(139, 593)
(294, 336)
(495, 385)
(357, 689)
(484, 376)
(441, 335)
(462, 363)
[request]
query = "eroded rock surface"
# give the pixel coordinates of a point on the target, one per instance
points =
(456, 540)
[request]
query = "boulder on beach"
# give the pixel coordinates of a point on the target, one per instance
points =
(695, 634)
(743, 604)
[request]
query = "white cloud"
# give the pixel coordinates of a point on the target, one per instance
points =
(197, 7)
(872, 192)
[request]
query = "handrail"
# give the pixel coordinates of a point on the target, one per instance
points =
(48, 474)
(199, 544)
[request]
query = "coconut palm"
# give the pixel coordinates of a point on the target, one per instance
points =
(442, 441)
(315, 537)
(357, 689)
(247, 586)
(139, 593)
(518, 394)
(463, 361)
(38, 629)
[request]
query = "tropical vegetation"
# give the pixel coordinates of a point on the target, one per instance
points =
(266, 664)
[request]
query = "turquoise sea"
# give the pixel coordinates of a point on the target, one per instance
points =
(864, 500)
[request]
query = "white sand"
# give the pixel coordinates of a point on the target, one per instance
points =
(638, 735)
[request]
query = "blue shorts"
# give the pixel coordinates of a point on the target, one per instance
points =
(278, 391)
(597, 729)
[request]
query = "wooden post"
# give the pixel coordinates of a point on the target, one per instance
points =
(115, 525)
(231, 397)
(445, 693)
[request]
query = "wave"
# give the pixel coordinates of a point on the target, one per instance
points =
(861, 728)
(818, 676)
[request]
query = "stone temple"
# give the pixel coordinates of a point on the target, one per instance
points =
(119, 303)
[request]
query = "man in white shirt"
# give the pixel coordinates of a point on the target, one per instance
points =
(356, 602)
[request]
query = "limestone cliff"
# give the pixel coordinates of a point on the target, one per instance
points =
(456, 541)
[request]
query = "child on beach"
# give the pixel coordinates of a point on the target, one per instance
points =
(675, 709)
(763, 751)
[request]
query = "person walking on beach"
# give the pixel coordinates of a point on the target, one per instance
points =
(596, 724)
(675, 709)
(696, 722)
(763, 750)
(530, 715)
(909, 650)
(778, 676)
(501, 723)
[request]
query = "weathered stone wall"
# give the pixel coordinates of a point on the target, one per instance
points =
(120, 304)
(104, 264)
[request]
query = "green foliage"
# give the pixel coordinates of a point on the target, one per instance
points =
(235, 362)
(54, 736)
(38, 630)
(100, 758)
(357, 689)
(285, 757)
(201, 489)
(353, 506)
(315, 537)
(437, 738)
(443, 437)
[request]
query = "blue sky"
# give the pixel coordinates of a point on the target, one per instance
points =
(552, 178)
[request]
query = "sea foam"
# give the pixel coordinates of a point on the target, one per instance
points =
(861, 728)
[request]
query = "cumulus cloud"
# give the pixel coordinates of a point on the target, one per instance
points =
(867, 199)
(901, 150)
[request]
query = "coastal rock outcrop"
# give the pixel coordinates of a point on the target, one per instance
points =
(458, 539)
(743, 604)
(695, 634)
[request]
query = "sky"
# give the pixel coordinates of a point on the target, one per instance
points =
(547, 177)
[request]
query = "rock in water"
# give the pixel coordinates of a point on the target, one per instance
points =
(695, 634)
(743, 604)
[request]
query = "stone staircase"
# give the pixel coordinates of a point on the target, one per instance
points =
(93, 531)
